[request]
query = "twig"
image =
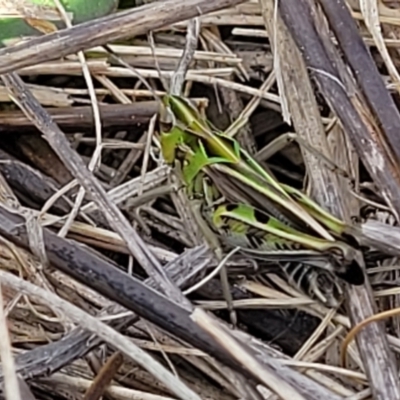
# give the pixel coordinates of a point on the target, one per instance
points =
(267, 376)
(354, 117)
(112, 115)
(130, 23)
(34, 111)
(51, 357)
(104, 377)
(96, 157)
(372, 341)
(297, 90)
(109, 335)
(26, 392)
(178, 78)
(365, 71)
(98, 274)
(11, 386)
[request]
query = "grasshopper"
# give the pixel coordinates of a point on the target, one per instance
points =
(266, 219)
(253, 211)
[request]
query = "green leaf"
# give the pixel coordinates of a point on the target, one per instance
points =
(81, 10)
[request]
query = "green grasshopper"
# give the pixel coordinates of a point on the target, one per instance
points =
(268, 231)
(255, 198)
(261, 217)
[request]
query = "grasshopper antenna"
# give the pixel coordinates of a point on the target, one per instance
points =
(178, 76)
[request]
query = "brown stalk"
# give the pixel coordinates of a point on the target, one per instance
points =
(57, 140)
(104, 377)
(344, 102)
(372, 342)
(366, 73)
(112, 115)
(134, 22)
(102, 276)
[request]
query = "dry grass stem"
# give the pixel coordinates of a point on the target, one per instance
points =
(109, 269)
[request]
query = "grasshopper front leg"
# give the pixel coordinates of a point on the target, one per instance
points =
(214, 243)
(191, 174)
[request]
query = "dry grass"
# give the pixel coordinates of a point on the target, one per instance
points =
(249, 88)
